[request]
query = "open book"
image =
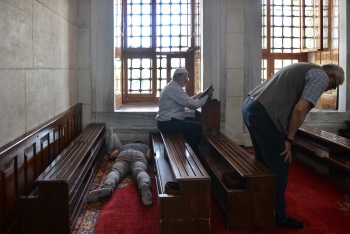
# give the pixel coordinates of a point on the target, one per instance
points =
(209, 89)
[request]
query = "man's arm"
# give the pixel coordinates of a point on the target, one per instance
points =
(301, 109)
(114, 155)
(149, 155)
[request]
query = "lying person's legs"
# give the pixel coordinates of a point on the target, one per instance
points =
(139, 173)
(119, 170)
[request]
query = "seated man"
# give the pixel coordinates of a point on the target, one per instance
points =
(130, 157)
(172, 103)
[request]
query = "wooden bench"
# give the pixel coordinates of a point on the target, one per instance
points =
(186, 210)
(250, 204)
(25, 158)
(327, 153)
(345, 132)
(54, 205)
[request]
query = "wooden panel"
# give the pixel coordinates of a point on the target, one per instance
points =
(56, 141)
(65, 134)
(22, 159)
(8, 193)
(209, 115)
(29, 168)
(44, 149)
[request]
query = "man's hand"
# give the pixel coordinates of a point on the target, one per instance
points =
(149, 155)
(210, 94)
(114, 155)
(286, 152)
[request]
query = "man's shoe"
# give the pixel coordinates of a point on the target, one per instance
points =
(292, 223)
(146, 194)
(98, 194)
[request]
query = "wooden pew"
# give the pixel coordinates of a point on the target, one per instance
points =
(54, 205)
(186, 209)
(249, 205)
(25, 158)
(327, 153)
(346, 131)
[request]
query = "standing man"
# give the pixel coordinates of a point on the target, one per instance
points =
(172, 103)
(273, 113)
(130, 157)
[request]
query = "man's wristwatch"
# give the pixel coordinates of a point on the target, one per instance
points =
(288, 139)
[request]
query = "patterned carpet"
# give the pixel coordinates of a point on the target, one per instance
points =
(90, 211)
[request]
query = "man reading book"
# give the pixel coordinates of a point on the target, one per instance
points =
(171, 116)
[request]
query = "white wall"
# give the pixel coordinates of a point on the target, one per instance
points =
(84, 62)
(38, 51)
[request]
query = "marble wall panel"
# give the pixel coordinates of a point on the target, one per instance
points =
(235, 50)
(84, 86)
(235, 82)
(67, 44)
(67, 9)
(65, 90)
(16, 34)
(45, 37)
(84, 48)
(84, 13)
(102, 55)
(87, 119)
(12, 105)
(235, 16)
(39, 97)
(234, 121)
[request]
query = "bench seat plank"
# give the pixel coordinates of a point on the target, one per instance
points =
(181, 155)
(243, 162)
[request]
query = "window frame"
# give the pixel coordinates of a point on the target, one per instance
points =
(320, 54)
(128, 53)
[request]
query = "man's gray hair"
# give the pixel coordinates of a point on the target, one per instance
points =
(336, 70)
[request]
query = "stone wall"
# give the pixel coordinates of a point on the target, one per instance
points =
(38, 51)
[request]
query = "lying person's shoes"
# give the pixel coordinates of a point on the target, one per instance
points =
(146, 194)
(292, 223)
(98, 194)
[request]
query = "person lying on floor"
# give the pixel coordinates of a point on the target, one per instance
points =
(130, 157)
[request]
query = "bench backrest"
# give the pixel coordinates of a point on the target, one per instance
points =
(324, 137)
(243, 162)
(23, 159)
(69, 165)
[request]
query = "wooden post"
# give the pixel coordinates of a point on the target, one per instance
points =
(209, 115)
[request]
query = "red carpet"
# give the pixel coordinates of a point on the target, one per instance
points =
(124, 213)
(317, 203)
